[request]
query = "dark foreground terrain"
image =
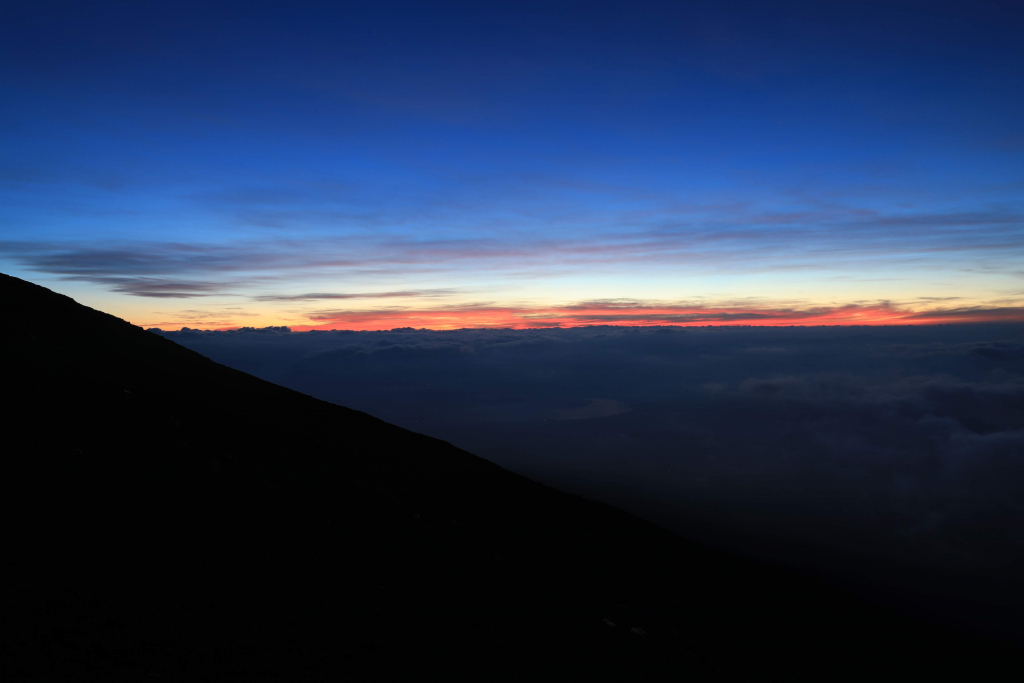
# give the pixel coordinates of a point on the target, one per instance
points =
(168, 516)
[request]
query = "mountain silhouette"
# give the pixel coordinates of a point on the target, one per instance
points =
(169, 516)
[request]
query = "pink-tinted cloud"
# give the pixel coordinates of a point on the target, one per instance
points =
(647, 314)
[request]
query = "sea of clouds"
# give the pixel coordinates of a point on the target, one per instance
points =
(889, 458)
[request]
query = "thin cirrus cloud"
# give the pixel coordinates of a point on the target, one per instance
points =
(317, 296)
(156, 288)
(838, 242)
(748, 240)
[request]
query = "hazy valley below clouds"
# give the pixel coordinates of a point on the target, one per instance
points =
(888, 457)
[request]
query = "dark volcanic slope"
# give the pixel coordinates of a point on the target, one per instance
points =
(168, 515)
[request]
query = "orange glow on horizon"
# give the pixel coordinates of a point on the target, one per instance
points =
(647, 316)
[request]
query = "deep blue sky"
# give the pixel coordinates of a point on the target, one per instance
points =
(441, 164)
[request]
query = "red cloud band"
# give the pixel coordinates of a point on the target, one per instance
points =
(634, 313)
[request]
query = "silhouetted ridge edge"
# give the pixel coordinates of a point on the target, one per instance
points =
(172, 516)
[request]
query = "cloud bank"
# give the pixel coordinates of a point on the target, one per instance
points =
(885, 456)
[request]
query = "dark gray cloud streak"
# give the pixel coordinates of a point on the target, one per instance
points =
(889, 457)
(315, 296)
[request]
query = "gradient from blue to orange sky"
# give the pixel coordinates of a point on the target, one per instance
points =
(373, 165)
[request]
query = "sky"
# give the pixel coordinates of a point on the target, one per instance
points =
(376, 165)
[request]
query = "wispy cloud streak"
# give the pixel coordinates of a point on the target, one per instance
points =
(747, 242)
(318, 296)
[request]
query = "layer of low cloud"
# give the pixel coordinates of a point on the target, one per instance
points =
(887, 456)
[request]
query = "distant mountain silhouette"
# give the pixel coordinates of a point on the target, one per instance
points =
(169, 516)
